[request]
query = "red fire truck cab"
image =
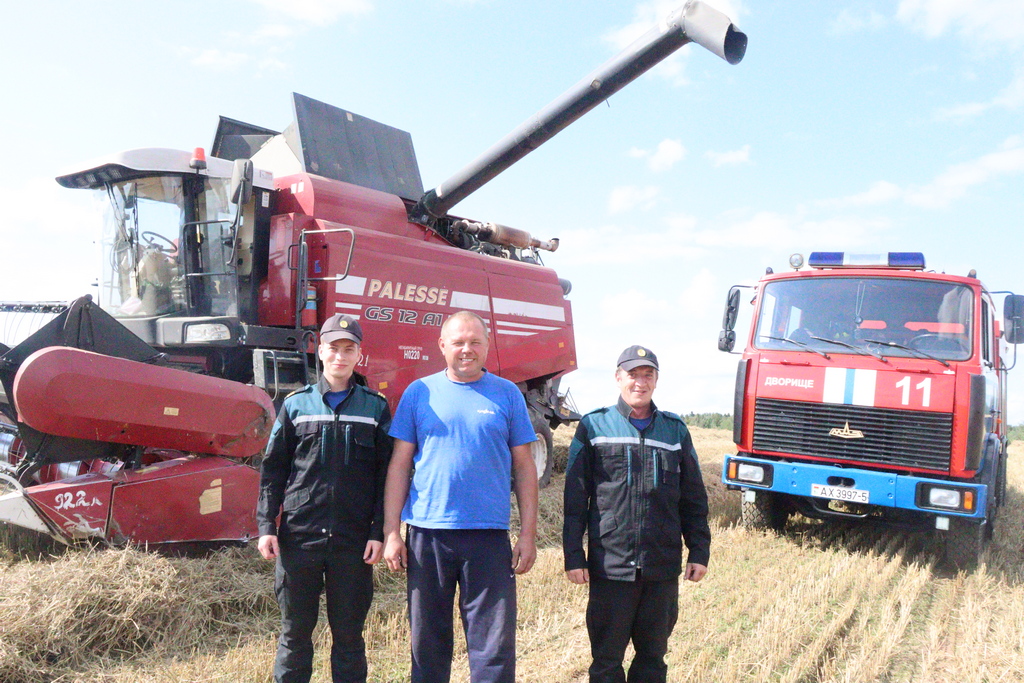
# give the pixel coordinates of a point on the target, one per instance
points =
(871, 388)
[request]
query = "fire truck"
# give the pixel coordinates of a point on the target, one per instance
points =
(872, 388)
(128, 416)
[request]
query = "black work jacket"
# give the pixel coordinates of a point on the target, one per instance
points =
(636, 494)
(324, 470)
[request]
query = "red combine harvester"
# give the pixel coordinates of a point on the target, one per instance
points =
(135, 418)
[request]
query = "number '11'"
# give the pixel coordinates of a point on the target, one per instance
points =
(924, 385)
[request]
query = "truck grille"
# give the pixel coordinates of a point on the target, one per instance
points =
(895, 438)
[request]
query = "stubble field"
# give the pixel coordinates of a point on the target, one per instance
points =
(818, 603)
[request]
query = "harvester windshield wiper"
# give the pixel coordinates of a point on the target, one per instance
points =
(856, 349)
(916, 352)
(801, 345)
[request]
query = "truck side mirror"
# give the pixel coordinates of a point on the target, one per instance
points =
(1013, 318)
(241, 182)
(727, 337)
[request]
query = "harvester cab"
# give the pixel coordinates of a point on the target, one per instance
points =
(225, 265)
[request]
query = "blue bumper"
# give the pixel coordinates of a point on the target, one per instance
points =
(886, 490)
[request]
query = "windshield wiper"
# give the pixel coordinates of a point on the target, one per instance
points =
(856, 349)
(916, 352)
(801, 345)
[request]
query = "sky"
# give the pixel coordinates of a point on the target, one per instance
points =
(853, 125)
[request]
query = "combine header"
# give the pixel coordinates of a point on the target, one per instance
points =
(135, 418)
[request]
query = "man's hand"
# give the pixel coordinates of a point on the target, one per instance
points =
(580, 576)
(396, 490)
(695, 572)
(395, 553)
(268, 547)
(524, 554)
(373, 552)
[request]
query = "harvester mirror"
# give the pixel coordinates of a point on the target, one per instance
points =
(1013, 318)
(241, 182)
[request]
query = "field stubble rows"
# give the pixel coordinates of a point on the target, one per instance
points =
(820, 603)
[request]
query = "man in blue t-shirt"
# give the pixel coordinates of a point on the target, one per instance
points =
(459, 436)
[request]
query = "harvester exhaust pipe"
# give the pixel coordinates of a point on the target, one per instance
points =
(505, 236)
(694, 22)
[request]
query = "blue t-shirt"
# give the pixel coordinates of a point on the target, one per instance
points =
(463, 463)
(334, 398)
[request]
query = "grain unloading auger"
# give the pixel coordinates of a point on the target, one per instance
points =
(217, 273)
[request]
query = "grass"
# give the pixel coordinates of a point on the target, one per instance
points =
(820, 603)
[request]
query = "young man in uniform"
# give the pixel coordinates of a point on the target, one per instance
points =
(633, 484)
(464, 431)
(324, 472)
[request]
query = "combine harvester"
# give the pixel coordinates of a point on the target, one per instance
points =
(134, 418)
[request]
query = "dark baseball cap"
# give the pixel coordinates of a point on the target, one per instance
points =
(635, 356)
(340, 326)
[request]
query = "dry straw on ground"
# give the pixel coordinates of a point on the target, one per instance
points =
(818, 603)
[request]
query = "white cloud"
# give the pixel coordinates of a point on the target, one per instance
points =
(850, 21)
(271, 33)
(767, 229)
(317, 12)
(213, 58)
(57, 256)
(664, 157)
(880, 192)
(731, 158)
(982, 22)
(1011, 97)
(629, 197)
(957, 180)
(950, 185)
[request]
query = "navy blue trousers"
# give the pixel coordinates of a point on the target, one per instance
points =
(479, 562)
(642, 611)
(300, 577)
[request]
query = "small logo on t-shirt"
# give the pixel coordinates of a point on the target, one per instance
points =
(485, 411)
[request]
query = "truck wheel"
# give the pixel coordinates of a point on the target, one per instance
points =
(965, 543)
(766, 511)
(541, 449)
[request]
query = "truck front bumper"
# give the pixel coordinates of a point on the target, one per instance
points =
(857, 486)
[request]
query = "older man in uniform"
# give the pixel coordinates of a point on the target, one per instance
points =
(633, 484)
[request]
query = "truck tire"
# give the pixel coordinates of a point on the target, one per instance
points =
(965, 543)
(768, 511)
(542, 449)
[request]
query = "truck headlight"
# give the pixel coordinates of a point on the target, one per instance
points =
(947, 498)
(749, 473)
(207, 332)
(944, 498)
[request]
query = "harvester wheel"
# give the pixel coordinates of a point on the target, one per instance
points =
(965, 543)
(766, 511)
(542, 449)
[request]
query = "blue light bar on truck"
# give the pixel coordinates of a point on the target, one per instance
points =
(907, 260)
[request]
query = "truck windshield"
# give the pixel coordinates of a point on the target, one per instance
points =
(167, 248)
(878, 316)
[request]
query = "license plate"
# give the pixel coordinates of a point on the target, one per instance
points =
(840, 493)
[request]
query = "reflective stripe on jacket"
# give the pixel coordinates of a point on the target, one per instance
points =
(324, 469)
(636, 494)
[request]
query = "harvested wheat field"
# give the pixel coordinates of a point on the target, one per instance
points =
(819, 603)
